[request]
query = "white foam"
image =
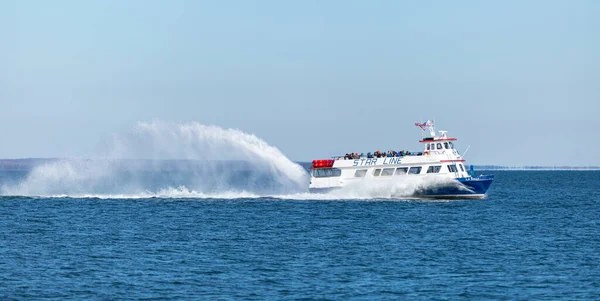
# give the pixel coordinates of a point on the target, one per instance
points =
(168, 193)
(156, 141)
(394, 188)
(212, 145)
(398, 187)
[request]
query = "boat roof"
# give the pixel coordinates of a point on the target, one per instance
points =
(434, 139)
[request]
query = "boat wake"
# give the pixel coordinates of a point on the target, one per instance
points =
(397, 190)
(165, 160)
(159, 159)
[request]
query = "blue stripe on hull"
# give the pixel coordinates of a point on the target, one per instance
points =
(472, 186)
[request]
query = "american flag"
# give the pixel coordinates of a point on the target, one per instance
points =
(423, 126)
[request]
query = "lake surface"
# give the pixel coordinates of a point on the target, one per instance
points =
(536, 236)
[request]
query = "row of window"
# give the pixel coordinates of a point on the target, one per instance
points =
(389, 171)
(415, 170)
(433, 146)
(383, 172)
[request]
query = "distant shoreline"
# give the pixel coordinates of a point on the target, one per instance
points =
(26, 164)
(539, 168)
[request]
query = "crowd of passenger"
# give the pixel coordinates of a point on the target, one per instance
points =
(380, 154)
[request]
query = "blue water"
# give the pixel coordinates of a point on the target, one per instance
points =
(536, 236)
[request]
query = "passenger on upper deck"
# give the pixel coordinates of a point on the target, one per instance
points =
(378, 154)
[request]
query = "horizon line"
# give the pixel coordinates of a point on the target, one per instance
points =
(488, 166)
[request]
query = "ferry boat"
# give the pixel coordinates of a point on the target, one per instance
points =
(440, 167)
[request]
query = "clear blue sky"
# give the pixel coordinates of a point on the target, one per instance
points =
(519, 81)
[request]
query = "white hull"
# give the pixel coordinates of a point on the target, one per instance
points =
(438, 161)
